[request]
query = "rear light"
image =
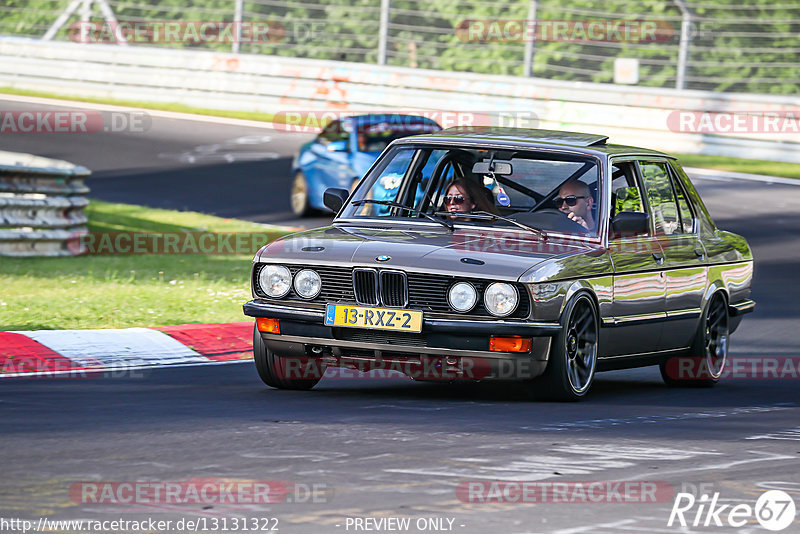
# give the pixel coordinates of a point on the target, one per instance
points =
(510, 344)
(268, 326)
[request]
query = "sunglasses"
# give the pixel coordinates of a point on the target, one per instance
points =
(571, 200)
(454, 199)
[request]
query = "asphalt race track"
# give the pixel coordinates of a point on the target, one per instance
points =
(392, 448)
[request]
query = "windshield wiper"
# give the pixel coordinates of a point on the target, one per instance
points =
(392, 204)
(486, 216)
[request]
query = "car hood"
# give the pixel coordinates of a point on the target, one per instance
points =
(500, 255)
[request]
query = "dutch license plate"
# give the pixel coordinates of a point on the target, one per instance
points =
(376, 318)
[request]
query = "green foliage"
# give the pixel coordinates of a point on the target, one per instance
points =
(749, 47)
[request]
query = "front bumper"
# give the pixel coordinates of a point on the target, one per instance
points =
(260, 308)
(304, 335)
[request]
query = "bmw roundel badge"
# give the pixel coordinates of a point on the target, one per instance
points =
(383, 257)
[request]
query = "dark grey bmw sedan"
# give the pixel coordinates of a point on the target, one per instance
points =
(500, 253)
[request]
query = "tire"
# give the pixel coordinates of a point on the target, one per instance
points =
(299, 195)
(709, 350)
(573, 355)
(272, 368)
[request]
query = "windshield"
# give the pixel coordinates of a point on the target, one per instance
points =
(548, 192)
(375, 137)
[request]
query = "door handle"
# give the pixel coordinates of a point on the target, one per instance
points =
(699, 252)
(658, 257)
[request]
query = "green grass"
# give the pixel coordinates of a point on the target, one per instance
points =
(118, 291)
(107, 217)
(163, 106)
(752, 166)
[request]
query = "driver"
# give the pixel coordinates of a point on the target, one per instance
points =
(575, 201)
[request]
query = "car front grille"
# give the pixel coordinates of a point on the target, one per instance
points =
(365, 286)
(393, 288)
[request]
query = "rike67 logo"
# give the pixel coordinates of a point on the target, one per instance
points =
(774, 510)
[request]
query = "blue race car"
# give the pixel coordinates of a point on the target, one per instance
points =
(342, 153)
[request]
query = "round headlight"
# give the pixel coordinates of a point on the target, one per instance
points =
(307, 283)
(500, 299)
(462, 297)
(275, 280)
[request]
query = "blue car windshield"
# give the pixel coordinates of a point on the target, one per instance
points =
(551, 192)
(376, 137)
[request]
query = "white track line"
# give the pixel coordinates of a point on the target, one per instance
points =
(116, 347)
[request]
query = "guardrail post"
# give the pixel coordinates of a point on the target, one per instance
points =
(383, 32)
(530, 42)
(238, 9)
(683, 49)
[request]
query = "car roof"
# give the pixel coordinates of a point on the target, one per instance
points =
(530, 138)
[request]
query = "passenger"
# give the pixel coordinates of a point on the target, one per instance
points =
(464, 196)
(575, 201)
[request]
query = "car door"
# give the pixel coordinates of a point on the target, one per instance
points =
(684, 255)
(637, 310)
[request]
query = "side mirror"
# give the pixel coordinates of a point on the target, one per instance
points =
(337, 146)
(630, 223)
(334, 198)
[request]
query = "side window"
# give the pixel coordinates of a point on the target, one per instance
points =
(625, 195)
(661, 197)
(333, 132)
(429, 190)
(687, 218)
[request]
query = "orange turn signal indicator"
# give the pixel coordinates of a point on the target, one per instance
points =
(268, 326)
(510, 344)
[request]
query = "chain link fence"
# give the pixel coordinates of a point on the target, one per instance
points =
(703, 44)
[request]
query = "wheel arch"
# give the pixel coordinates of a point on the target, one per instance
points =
(579, 287)
(714, 287)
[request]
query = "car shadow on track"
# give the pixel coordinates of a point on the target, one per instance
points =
(627, 387)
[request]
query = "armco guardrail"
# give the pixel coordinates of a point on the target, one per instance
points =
(41, 205)
(630, 115)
